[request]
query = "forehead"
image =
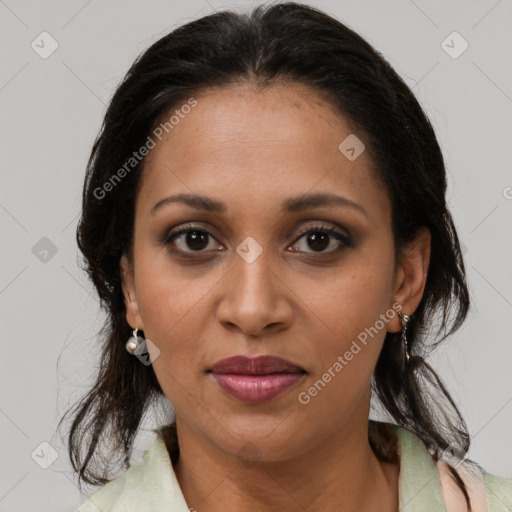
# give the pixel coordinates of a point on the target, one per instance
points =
(259, 145)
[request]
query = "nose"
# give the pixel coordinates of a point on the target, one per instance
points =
(255, 298)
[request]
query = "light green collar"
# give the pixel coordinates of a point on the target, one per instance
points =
(152, 485)
(419, 486)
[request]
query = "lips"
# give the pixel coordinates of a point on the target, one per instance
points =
(262, 365)
(256, 380)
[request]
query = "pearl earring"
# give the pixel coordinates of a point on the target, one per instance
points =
(133, 342)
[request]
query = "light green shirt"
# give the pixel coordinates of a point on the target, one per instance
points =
(152, 486)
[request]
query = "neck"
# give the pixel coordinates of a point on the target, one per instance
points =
(341, 474)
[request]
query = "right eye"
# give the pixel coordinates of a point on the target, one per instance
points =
(190, 239)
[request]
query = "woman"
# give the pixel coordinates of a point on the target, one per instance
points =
(264, 220)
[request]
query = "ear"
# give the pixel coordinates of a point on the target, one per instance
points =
(130, 300)
(411, 276)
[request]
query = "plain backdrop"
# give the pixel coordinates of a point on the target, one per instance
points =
(51, 111)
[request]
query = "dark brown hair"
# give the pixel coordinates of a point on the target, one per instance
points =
(281, 42)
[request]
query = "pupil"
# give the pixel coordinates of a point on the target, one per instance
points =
(197, 240)
(318, 240)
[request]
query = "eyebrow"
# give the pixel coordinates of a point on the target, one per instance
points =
(290, 205)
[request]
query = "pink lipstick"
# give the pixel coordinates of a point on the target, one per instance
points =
(256, 380)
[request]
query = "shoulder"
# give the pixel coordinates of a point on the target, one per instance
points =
(105, 498)
(487, 491)
(151, 486)
(499, 492)
(116, 491)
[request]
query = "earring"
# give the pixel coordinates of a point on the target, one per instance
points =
(404, 321)
(133, 342)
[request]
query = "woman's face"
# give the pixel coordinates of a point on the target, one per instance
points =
(247, 281)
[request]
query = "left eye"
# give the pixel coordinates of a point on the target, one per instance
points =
(321, 238)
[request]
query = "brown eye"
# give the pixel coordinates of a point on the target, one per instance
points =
(196, 240)
(190, 240)
(321, 238)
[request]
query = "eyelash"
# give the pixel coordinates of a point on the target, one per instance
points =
(338, 235)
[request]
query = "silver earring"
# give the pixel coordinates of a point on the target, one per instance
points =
(133, 342)
(404, 321)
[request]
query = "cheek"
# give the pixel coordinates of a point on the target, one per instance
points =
(350, 333)
(349, 314)
(351, 299)
(164, 307)
(174, 309)
(167, 294)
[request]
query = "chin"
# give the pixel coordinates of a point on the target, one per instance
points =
(255, 441)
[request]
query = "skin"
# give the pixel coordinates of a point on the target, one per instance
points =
(252, 149)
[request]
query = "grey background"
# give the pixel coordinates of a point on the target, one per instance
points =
(51, 110)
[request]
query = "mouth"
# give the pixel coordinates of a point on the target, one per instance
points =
(261, 365)
(256, 380)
